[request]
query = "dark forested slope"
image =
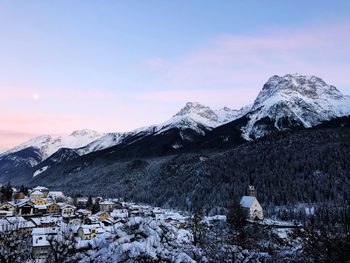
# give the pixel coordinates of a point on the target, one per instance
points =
(311, 165)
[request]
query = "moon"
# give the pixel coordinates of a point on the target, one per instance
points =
(36, 96)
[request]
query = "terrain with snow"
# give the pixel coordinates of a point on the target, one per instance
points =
(193, 116)
(47, 144)
(294, 101)
(285, 102)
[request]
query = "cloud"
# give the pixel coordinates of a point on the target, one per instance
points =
(228, 70)
(230, 63)
(215, 98)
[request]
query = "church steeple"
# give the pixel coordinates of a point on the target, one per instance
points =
(251, 190)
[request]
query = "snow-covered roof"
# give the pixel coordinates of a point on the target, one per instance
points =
(83, 211)
(6, 213)
(45, 230)
(15, 219)
(171, 215)
(40, 241)
(8, 203)
(87, 228)
(36, 192)
(19, 222)
(86, 231)
(67, 206)
(41, 206)
(52, 204)
(24, 202)
(56, 193)
(120, 213)
(93, 218)
(247, 201)
(44, 220)
(107, 203)
(101, 213)
(60, 204)
(40, 188)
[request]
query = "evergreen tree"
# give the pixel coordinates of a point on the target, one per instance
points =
(89, 204)
(236, 218)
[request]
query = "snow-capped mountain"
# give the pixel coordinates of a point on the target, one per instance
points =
(196, 116)
(287, 102)
(294, 101)
(193, 116)
(47, 145)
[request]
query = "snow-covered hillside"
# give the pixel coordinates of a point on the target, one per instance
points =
(48, 145)
(284, 102)
(294, 101)
(193, 115)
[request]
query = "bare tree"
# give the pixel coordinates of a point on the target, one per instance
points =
(15, 243)
(62, 246)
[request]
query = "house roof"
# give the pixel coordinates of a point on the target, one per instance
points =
(15, 219)
(36, 192)
(81, 210)
(247, 201)
(25, 202)
(41, 206)
(40, 241)
(44, 220)
(101, 213)
(40, 188)
(93, 218)
(8, 203)
(107, 203)
(19, 222)
(57, 193)
(45, 230)
(68, 206)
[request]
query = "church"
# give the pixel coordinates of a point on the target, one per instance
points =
(251, 206)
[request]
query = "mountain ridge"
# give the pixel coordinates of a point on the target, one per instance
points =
(292, 101)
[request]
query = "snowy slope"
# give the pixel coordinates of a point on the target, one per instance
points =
(193, 115)
(48, 145)
(284, 102)
(294, 101)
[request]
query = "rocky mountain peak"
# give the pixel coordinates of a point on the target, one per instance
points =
(197, 109)
(311, 87)
(85, 133)
(294, 100)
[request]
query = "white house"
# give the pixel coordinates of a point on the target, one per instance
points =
(36, 195)
(68, 210)
(251, 205)
(56, 196)
(42, 189)
(40, 242)
(107, 205)
(87, 232)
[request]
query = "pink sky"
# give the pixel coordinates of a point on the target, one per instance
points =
(228, 70)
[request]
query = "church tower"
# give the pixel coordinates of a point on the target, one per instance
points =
(251, 190)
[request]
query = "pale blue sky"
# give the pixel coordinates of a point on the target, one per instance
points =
(118, 65)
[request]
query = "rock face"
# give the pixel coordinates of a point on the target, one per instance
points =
(293, 101)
